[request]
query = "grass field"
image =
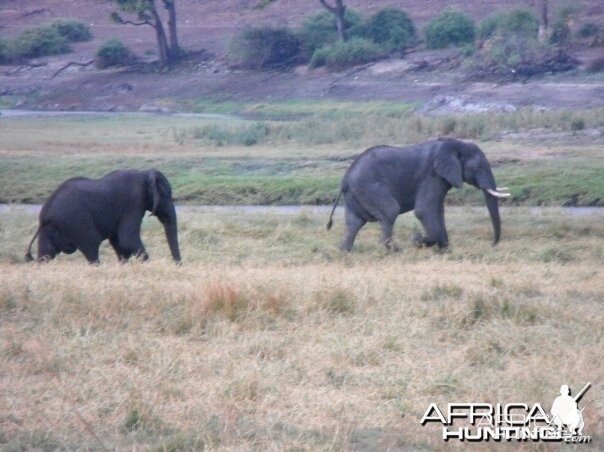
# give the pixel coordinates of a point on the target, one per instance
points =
(267, 337)
(301, 160)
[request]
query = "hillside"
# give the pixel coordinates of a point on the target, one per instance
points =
(434, 78)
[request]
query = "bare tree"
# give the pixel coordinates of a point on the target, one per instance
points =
(338, 10)
(543, 8)
(147, 13)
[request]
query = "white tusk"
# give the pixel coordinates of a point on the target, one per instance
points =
(497, 194)
(503, 189)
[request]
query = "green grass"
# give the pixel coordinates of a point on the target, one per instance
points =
(301, 160)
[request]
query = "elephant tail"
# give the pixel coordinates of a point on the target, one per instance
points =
(28, 256)
(335, 204)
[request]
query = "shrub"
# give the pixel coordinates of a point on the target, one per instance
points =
(41, 41)
(596, 65)
(72, 30)
(450, 28)
(345, 54)
(561, 33)
(113, 53)
(588, 30)
(524, 57)
(5, 56)
(518, 22)
(320, 30)
(577, 124)
(392, 29)
(264, 47)
(221, 135)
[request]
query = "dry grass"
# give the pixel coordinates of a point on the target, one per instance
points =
(268, 338)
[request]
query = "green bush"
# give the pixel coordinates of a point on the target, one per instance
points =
(5, 56)
(577, 124)
(40, 41)
(392, 29)
(345, 54)
(588, 30)
(524, 57)
(511, 44)
(229, 135)
(72, 30)
(320, 30)
(519, 22)
(113, 53)
(596, 65)
(561, 33)
(450, 28)
(264, 47)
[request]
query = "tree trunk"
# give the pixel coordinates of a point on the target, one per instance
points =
(174, 47)
(544, 25)
(338, 10)
(162, 42)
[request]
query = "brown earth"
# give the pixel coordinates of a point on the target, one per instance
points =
(435, 79)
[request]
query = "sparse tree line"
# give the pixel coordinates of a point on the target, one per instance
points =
(520, 40)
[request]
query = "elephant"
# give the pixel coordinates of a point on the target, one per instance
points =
(384, 182)
(83, 212)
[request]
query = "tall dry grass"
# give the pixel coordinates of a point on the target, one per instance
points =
(269, 338)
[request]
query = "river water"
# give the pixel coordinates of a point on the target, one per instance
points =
(101, 114)
(324, 210)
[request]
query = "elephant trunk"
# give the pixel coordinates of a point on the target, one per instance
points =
(493, 207)
(170, 227)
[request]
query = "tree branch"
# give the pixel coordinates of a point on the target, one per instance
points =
(25, 67)
(331, 9)
(72, 63)
(137, 24)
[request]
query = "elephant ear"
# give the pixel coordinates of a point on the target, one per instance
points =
(153, 191)
(448, 166)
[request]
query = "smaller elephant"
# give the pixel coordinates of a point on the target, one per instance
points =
(83, 212)
(384, 182)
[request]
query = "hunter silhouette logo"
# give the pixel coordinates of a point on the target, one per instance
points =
(565, 410)
(512, 421)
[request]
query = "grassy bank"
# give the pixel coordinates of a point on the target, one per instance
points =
(267, 337)
(546, 158)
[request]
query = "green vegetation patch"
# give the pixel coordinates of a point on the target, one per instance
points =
(301, 160)
(450, 28)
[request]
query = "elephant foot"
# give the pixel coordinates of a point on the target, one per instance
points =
(420, 241)
(346, 249)
(442, 246)
(393, 248)
(417, 241)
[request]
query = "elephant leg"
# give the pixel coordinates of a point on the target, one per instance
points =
(89, 246)
(381, 205)
(387, 227)
(433, 222)
(129, 238)
(121, 253)
(47, 250)
(353, 224)
(389, 209)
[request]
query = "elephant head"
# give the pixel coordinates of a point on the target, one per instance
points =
(160, 204)
(461, 162)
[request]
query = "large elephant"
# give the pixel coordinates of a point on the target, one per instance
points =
(384, 182)
(82, 212)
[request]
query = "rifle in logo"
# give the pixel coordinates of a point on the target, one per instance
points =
(565, 410)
